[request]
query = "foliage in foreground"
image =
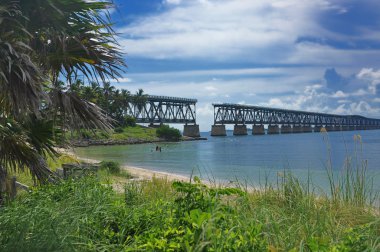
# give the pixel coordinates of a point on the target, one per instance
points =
(158, 216)
(44, 45)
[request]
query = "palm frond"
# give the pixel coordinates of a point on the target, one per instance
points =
(17, 152)
(77, 113)
(41, 134)
(76, 38)
(20, 78)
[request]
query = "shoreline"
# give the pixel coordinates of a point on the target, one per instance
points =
(140, 173)
(131, 141)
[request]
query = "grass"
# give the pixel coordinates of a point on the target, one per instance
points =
(136, 132)
(25, 177)
(158, 215)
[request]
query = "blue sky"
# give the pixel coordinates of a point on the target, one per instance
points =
(318, 55)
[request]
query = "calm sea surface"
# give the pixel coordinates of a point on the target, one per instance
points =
(252, 159)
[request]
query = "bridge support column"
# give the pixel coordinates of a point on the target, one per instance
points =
(273, 129)
(218, 130)
(286, 129)
(258, 130)
(191, 130)
(240, 130)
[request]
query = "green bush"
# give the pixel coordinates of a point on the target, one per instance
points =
(171, 134)
(129, 121)
(85, 134)
(110, 166)
(118, 130)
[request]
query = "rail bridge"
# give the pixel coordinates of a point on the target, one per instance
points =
(283, 121)
(163, 109)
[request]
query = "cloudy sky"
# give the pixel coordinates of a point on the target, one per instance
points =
(319, 55)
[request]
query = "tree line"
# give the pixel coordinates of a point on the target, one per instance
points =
(114, 102)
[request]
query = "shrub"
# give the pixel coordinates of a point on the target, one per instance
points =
(130, 121)
(110, 166)
(118, 130)
(85, 134)
(164, 131)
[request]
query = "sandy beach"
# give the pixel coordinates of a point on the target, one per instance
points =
(140, 173)
(137, 172)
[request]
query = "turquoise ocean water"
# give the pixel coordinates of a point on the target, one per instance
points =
(252, 159)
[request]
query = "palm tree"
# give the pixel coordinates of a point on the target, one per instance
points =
(108, 92)
(43, 43)
(139, 100)
(126, 100)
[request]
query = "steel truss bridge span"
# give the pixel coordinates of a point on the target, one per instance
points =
(255, 115)
(163, 109)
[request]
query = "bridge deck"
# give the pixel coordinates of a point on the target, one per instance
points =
(155, 98)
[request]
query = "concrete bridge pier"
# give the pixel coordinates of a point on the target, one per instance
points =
(258, 130)
(218, 130)
(286, 129)
(240, 130)
(191, 130)
(273, 129)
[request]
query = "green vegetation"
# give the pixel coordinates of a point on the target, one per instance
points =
(121, 133)
(168, 133)
(114, 102)
(156, 215)
(110, 166)
(44, 47)
(26, 177)
(130, 121)
(137, 132)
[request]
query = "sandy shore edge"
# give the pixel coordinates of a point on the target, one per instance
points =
(137, 172)
(140, 173)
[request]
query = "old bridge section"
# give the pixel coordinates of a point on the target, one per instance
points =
(162, 109)
(283, 121)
